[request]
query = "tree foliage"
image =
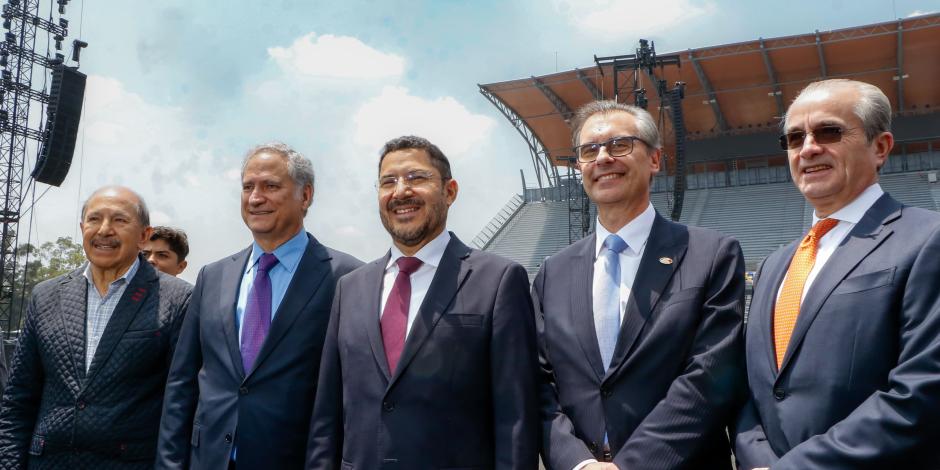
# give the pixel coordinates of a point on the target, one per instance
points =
(38, 263)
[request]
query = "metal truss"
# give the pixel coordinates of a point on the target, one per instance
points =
(772, 75)
(17, 58)
(537, 150)
(559, 104)
(710, 92)
(591, 87)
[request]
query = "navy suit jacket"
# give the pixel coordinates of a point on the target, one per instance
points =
(677, 371)
(463, 394)
(860, 383)
(213, 404)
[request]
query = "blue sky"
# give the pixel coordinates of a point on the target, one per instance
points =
(178, 91)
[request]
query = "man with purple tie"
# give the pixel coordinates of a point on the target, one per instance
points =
(430, 357)
(244, 377)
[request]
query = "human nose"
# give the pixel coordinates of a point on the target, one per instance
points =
(401, 188)
(603, 156)
(810, 147)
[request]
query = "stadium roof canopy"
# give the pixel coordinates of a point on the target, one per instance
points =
(734, 89)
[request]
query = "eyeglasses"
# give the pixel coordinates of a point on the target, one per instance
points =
(821, 135)
(413, 179)
(616, 147)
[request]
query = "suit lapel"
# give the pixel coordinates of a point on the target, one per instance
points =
(870, 231)
(228, 299)
(373, 277)
(772, 278)
(73, 298)
(448, 278)
(582, 306)
(666, 240)
(135, 296)
(307, 279)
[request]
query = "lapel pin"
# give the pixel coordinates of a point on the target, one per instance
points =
(665, 260)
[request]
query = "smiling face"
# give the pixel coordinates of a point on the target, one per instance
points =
(112, 233)
(416, 215)
(273, 205)
(830, 176)
(617, 182)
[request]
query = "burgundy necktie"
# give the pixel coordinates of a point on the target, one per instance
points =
(257, 319)
(395, 315)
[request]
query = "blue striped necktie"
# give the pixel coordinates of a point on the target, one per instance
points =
(607, 297)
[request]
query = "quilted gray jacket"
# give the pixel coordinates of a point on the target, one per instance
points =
(54, 415)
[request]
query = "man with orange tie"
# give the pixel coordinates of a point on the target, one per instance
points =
(843, 333)
(430, 359)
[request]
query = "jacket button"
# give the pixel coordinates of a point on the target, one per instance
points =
(593, 447)
(81, 405)
(606, 392)
(388, 406)
(228, 438)
(779, 394)
(243, 390)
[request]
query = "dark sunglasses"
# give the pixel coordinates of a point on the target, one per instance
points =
(822, 135)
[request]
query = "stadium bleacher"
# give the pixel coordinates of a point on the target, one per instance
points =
(761, 216)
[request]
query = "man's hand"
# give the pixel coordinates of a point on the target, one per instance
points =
(600, 466)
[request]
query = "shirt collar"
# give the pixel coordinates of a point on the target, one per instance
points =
(128, 275)
(429, 254)
(855, 210)
(635, 233)
(288, 254)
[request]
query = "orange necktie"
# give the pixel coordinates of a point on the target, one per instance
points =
(787, 308)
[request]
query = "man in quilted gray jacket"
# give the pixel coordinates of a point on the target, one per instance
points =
(87, 378)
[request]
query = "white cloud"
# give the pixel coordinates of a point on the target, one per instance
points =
(336, 57)
(625, 19)
(444, 121)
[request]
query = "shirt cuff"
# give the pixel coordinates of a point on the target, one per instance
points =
(584, 464)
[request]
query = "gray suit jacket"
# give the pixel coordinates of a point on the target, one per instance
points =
(677, 372)
(55, 415)
(213, 404)
(860, 383)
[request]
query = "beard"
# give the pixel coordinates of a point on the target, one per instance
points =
(414, 235)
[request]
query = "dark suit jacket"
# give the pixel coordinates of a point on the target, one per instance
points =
(463, 395)
(212, 404)
(677, 371)
(860, 383)
(56, 416)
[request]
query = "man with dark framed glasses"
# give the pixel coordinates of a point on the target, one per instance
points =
(842, 337)
(430, 356)
(639, 324)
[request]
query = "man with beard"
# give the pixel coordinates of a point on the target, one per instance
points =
(430, 356)
(244, 377)
(88, 374)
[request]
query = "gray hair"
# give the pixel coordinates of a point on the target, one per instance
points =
(872, 107)
(646, 128)
(299, 168)
(143, 214)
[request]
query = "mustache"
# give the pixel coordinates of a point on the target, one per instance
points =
(111, 241)
(396, 203)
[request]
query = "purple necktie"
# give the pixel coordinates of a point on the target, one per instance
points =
(257, 319)
(395, 315)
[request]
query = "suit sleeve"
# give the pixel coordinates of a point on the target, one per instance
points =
(899, 423)
(751, 448)
(325, 442)
(513, 362)
(182, 389)
(561, 448)
(22, 396)
(702, 399)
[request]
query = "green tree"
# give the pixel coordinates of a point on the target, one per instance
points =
(36, 264)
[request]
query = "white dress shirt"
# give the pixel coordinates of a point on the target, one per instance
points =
(635, 233)
(430, 256)
(848, 217)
